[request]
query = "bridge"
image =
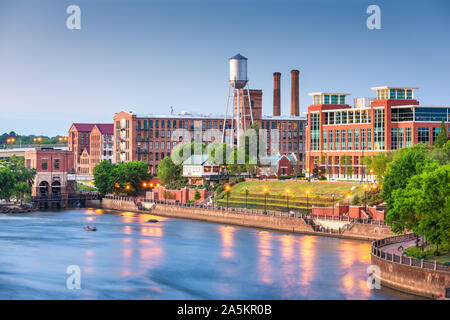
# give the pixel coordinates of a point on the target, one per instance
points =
(63, 200)
(8, 151)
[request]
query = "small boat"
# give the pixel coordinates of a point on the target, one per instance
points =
(89, 228)
(153, 221)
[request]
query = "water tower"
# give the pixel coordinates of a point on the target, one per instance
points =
(239, 82)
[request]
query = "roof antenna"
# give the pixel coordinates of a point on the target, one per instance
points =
(171, 109)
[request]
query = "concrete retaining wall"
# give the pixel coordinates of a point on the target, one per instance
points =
(358, 231)
(415, 280)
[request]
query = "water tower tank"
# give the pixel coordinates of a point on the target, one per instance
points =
(238, 71)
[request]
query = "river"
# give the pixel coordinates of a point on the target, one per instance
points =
(130, 258)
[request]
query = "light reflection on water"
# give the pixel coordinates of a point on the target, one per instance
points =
(130, 258)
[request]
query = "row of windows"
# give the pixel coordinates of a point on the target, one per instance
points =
(357, 139)
(400, 94)
(347, 117)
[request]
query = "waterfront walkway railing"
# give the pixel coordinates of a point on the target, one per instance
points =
(378, 251)
(307, 217)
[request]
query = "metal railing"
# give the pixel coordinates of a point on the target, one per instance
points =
(403, 259)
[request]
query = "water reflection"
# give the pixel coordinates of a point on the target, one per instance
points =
(131, 258)
(264, 242)
(226, 233)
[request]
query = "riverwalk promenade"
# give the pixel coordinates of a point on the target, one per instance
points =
(344, 227)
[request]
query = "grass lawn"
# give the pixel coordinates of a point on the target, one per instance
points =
(298, 188)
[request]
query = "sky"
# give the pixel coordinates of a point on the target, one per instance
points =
(146, 56)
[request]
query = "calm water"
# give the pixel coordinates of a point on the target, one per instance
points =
(129, 258)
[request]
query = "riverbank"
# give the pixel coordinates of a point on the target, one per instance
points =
(407, 274)
(17, 208)
(352, 230)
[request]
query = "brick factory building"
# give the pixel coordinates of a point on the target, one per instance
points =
(149, 137)
(52, 169)
(393, 120)
(90, 144)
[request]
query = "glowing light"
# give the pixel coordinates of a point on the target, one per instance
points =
(227, 187)
(307, 191)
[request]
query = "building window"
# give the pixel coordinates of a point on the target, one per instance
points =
(435, 133)
(314, 131)
(423, 135)
(356, 139)
(379, 129)
(431, 114)
(56, 165)
(394, 139)
(349, 139)
(330, 140)
(324, 138)
(407, 137)
(363, 139)
(342, 139)
(162, 145)
(44, 164)
(336, 140)
(400, 138)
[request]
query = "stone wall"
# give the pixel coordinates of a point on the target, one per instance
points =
(416, 280)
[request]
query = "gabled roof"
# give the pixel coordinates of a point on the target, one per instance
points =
(196, 159)
(106, 128)
(85, 127)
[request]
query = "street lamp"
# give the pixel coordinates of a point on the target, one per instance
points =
(287, 198)
(348, 196)
(227, 189)
(266, 192)
(246, 196)
(307, 199)
(365, 196)
(333, 204)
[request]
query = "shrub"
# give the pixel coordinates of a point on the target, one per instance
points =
(356, 201)
(197, 195)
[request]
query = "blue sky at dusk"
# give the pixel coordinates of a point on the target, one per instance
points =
(146, 56)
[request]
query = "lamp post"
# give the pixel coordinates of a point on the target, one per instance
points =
(246, 196)
(307, 200)
(266, 191)
(333, 204)
(227, 189)
(365, 196)
(307, 172)
(287, 199)
(348, 196)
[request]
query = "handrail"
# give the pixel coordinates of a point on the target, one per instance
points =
(376, 250)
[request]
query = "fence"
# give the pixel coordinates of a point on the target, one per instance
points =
(404, 260)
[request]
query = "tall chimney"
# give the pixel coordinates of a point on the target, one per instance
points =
(295, 110)
(276, 94)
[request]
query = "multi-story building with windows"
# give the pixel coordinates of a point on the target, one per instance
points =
(339, 135)
(150, 138)
(90, 143)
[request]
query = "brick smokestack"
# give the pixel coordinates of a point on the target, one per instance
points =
(295, 110)
(276, 94)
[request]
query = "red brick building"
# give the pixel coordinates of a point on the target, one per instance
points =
(90, 144)
(52, 169)
(392, 120)
(149, 137)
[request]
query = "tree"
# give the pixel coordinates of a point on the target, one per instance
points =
(168, 171)
(441, 139)
(103, 177)
(346, 162)
(197, 195)
(406, 163)
(377, 164)
(124, 177)
(15, 179)
(423, 206)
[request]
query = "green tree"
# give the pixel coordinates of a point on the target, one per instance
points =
(377, 164)
(406, 163)
(15, 179)
(168, 171)
(197, 195)
(441, 139)
(423, 206)
(103, 177)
